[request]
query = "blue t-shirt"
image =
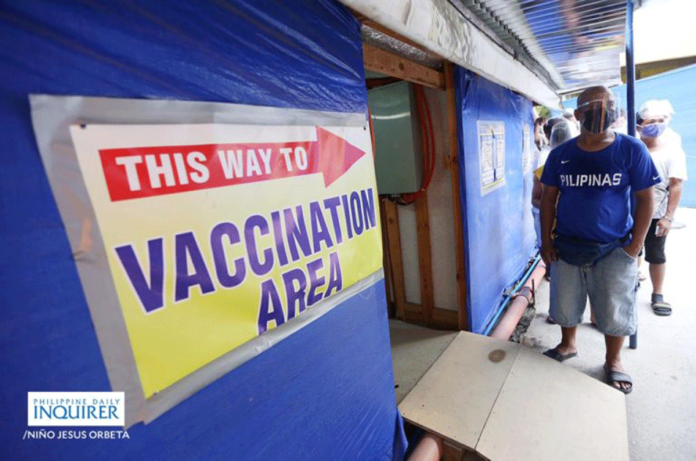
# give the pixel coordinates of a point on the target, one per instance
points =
(595, 187)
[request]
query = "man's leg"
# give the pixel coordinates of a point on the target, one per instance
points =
(612, 291)
(568, 299)
(657, 277)
(613, 358)
(655, 255)
(567, 345)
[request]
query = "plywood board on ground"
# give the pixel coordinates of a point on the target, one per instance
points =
(455, 397)
(548, 411)
(414, 350)
(508, 402)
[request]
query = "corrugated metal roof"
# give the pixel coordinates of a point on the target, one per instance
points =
(573, 44)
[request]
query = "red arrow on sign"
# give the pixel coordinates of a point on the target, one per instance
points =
(149, 171)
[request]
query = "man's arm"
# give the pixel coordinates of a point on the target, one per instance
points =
(536, 193)
(675, 190)
(644, 213)
(549, 196)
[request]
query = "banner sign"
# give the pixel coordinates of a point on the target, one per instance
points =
(216, 233)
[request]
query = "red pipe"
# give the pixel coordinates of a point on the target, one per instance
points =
(428, 449)
(519, 304)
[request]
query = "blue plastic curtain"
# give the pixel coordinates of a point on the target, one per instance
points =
(499, 234)
(327, 392)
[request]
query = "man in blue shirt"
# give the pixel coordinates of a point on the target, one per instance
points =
(595, 249)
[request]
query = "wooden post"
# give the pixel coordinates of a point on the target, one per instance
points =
(452, 121)
(396, 263)
(388, 282)
(424, 257)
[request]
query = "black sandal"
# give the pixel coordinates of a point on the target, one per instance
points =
(619, 377)
(660, 307)
(557, 356)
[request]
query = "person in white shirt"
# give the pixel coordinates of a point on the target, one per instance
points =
(670, 160)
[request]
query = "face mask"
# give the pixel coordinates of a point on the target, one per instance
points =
(593, 120)
(653, 130)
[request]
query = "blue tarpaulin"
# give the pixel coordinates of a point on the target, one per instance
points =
(499, 234)
(678, 87)
(327, 392)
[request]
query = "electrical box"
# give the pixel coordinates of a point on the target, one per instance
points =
(398, 161)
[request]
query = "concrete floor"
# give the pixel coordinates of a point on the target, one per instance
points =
(662, 407)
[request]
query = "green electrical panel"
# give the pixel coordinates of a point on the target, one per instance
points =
(398, 161)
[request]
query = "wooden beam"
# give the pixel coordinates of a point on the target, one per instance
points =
(371, 83)
(395, 261)
(415, 317)
(424, 256)
(452, 121)
(413, 308)
(387, 63)
(472, 456)
(443, 319)
(452, 452)
(385, 259)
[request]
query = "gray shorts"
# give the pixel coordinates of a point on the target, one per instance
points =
(611, 285)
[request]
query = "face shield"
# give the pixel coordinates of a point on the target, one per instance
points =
(599, 113)
(560, 133)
